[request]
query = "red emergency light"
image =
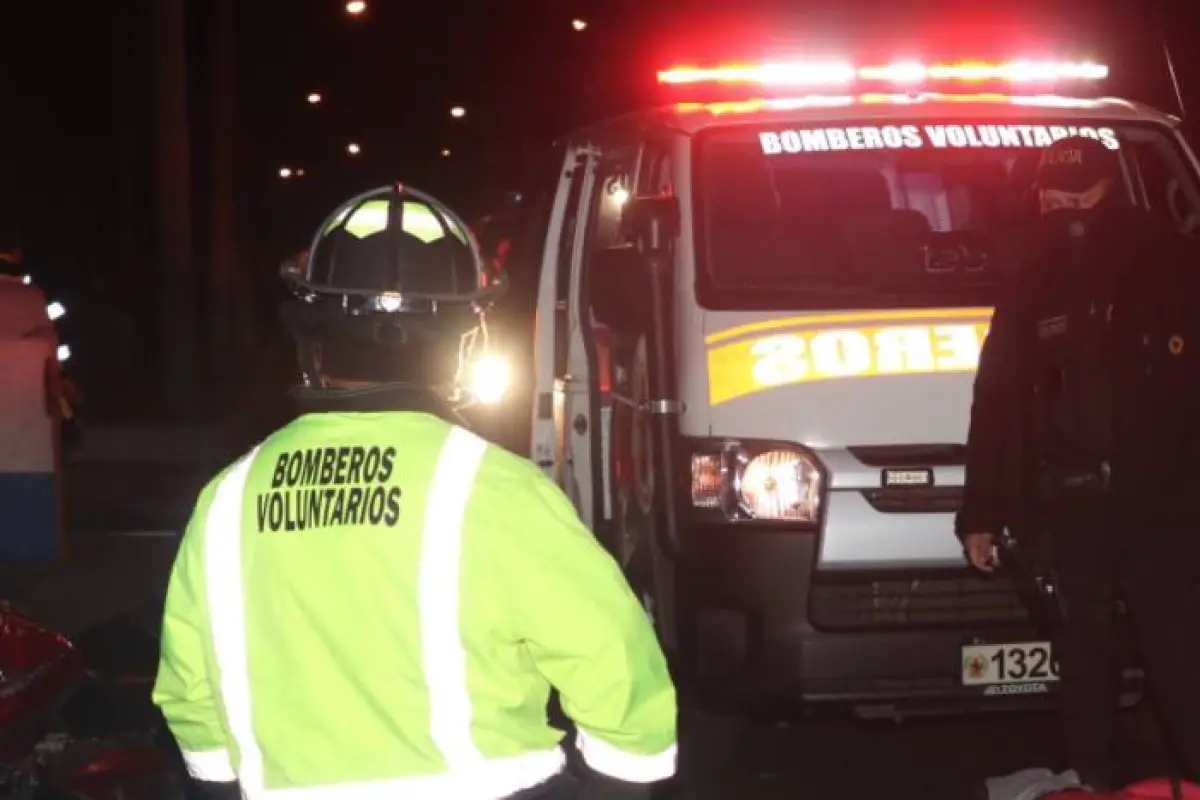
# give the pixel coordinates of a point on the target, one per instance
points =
(802, 74)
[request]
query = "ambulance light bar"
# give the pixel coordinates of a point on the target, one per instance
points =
(837, 73)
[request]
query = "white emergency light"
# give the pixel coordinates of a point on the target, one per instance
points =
(55, 310)
(389, 302)
(490, 379)
(908, 73)
(64, 353)
(27, 280)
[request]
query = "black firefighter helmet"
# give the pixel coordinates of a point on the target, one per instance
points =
(393, 291)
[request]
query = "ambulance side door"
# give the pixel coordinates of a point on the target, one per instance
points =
(549, 439)
(588, 408)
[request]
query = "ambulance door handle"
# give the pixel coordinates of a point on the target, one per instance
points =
(580, 424)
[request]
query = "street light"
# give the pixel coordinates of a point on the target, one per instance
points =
(314, 98)
(356, 7)
(445, 152)
(458, 112)
(285, 172)
(353, 149)
(579, 24)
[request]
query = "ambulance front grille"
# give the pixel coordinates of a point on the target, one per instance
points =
(915, 500)
(915, 603)
(910, 455)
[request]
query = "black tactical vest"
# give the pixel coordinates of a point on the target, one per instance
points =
(1074, 372)
(1113, 322)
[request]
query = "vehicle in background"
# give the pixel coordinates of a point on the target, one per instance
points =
(69, 731)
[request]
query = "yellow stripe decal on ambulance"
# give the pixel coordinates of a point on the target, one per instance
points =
(852, 345)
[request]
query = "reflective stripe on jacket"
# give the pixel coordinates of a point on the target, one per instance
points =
(376, 605)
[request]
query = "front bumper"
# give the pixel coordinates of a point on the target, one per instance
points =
(767, 628)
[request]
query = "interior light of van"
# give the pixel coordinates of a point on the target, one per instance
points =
(772, 484)
(616, 188)
(900, 73)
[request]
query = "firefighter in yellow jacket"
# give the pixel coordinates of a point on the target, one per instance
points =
(375, 602)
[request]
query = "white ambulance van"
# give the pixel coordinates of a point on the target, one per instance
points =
(758, 322)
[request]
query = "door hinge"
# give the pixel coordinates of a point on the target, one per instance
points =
(664, 406)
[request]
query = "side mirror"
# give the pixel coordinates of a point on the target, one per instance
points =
(618, 286)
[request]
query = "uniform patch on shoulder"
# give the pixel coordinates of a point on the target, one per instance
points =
(1175, 344)
(1052, 326)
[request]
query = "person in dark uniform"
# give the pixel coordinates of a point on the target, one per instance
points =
(1085, 423)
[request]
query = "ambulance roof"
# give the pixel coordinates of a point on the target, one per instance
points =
(690, 118)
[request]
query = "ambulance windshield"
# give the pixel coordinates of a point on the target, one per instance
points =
(883, 215)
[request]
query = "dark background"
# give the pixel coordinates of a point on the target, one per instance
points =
(165, 230)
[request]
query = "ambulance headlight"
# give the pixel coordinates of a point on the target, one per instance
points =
(764, 482)
(490, 378)
(55, 310)
(780, 484)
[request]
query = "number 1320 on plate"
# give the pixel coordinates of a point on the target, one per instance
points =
(1019, 662)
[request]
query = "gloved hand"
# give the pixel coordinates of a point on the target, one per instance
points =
(208, 790)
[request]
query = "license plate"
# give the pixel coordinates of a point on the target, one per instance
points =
(1001, 664)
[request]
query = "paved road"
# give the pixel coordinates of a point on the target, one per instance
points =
(834, 756)
(826, 756)
(722, 757)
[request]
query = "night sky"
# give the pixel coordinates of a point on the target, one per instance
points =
(77, 155)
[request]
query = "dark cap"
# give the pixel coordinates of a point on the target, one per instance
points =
(1076, 164)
